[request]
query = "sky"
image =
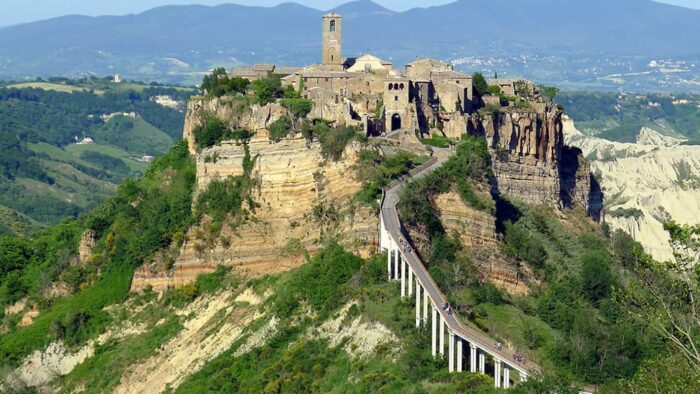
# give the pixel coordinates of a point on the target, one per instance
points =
(19, 11)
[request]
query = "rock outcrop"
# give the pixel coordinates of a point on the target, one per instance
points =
(476, 230)
(87, 243)
(531, 163)
(232, 110)
(301, 199)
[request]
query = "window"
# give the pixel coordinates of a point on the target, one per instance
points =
(391, 86)
(396, 98)
(332, 25)
(401, 86)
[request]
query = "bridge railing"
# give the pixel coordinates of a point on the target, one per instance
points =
(472, 335)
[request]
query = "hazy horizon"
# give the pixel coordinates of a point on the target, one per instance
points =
(23, 11)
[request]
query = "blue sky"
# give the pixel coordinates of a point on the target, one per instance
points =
(19, 11)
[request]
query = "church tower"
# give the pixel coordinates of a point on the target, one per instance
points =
(332, 39)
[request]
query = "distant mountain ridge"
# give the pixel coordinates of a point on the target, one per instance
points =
(200, 37)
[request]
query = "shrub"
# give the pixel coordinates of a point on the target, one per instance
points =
(334, 140)
(280, 128)
(218, 83)
(268, 89)
(298, 107)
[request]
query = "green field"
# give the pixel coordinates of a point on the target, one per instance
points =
(52, 86)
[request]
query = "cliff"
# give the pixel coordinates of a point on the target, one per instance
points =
(531, 163)
(300, 200)
(476, 230)
(235, 111)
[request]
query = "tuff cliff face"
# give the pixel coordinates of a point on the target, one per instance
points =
(234, 111)
(476, 230)
(300, 198)
(531, 162)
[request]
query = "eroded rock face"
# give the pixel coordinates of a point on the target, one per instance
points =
(477, 233)
(235, 113)
(300, 197)
(530, 161)
(87, 243)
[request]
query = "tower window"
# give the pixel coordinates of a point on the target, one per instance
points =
(333, 25)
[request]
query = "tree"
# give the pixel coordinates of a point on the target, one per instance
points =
(480, 84)
(549, 92)
(664, 295)
(268, 89)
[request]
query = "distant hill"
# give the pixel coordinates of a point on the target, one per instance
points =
(46, 175)
(179, 42)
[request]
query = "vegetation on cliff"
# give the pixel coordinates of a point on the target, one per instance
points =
(576, 319)
(145, 216)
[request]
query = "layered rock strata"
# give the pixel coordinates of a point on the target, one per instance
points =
(531, 163)
(476, 230)
(300, 199)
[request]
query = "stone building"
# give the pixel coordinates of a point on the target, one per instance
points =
(368, 91)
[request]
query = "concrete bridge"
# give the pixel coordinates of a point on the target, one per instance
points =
(467, 347)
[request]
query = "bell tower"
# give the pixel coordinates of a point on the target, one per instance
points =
(332, 39)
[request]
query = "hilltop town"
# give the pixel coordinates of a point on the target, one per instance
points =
(370, 92)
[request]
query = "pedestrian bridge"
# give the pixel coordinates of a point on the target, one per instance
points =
(467, 346)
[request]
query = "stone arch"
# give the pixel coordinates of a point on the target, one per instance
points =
(391, 86)
(395, 122)
(401, 86)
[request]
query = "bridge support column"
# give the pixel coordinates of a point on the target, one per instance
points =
(451, 352)
(497, 372)
(442, 335)
(410, 280)
(417, 303)
(506, 376)
(433, 327)
(403, 275)
(472, 357)
(482, 362)
(460, 344)
(388, 260)
(426, 302)
(397, 261)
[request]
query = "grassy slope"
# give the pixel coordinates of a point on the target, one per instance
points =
(128, 235)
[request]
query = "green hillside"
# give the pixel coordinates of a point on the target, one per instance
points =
(619, 117)
(45, 175)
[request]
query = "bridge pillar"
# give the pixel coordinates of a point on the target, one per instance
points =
(460, 343)
(410, 280)
(482, 362)
(451, 352)
(442, 335)
(388, 258)
(397, 260)
(417, 303)
(472, 357)
(497, 372)
(433, 327)
(506, 376)
(403, 275)
(425, 306)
